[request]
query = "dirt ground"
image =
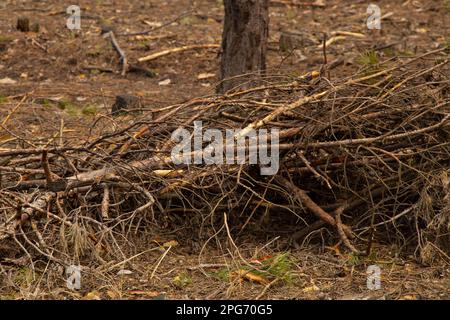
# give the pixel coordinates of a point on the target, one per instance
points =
(58, 79)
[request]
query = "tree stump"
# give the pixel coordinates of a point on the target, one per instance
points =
(244, 42)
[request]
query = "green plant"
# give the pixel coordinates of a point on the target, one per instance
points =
(23, 276)
(69, 107)
(389, 52)
(223, 274)
(72, 110)
(46, 103)
(144, 45)
(354, 259)
(369, 61)
(357, 260)
(280, 266)
(64, 104)
(447, 45)
(407, 53)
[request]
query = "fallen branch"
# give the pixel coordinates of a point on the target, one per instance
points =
(115, 44)
(304, 199)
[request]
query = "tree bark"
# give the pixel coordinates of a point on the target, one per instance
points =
(244, 43)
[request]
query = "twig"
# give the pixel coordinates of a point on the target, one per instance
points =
(342, 234)
(123, 57)
(159, 261)
(175, 50)
(301, 196)
(105, 202)
(314, 171)
(5, 121)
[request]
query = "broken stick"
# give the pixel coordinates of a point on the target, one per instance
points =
(303, 197)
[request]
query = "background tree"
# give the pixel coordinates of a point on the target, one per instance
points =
(244, 41)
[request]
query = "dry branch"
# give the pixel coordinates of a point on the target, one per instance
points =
(374, 146)
(176, 50)
(115, 44)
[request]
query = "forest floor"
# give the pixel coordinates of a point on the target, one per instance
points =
(69, 79)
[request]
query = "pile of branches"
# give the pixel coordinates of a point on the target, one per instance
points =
(366, 157)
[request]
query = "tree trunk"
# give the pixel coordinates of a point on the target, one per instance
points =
(244, 42)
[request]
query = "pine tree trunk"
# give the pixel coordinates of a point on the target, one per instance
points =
(244, 42)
